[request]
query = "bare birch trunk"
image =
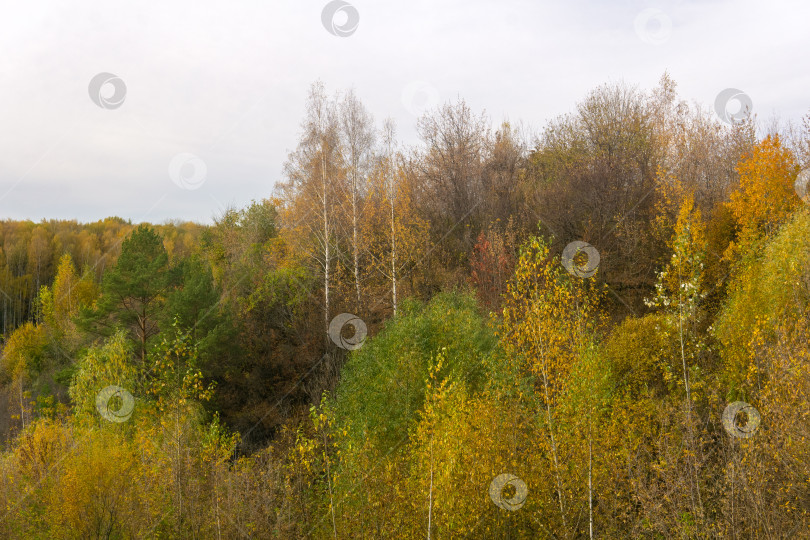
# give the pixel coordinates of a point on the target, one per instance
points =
(389, 134)
(327, 254)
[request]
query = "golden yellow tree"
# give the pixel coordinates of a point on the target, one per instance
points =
(765, 197)
(549, 321)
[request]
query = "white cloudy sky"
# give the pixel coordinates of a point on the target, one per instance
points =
(226, 81)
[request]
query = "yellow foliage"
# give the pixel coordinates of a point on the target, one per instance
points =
(70, 292)
(763, 293)
(102, 366)
(765, 196)
(24, 351)
(546, 316)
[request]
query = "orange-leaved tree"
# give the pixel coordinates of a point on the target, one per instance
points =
(765, 197)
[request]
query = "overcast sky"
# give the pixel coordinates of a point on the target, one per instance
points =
(211, 95)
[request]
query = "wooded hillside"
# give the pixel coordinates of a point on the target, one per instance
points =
(599, 330)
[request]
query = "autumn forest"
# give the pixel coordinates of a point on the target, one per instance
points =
(596, 330)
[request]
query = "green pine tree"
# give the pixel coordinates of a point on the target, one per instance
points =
(133, 293)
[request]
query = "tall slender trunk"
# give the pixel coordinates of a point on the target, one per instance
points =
(143, 324)
(329, 483)
(391, 196)
(22, 405)
(216, 500)
(683, 360)
(178, 458)
(327, 254)
(590, 478)
(553, 445)
(733, 481)
(430, 495)
(354, 236)
(694, 477)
